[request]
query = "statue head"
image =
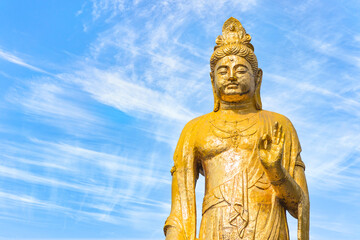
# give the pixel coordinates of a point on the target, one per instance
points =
(235, 75)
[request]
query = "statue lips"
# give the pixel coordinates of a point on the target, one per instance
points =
(233, 85)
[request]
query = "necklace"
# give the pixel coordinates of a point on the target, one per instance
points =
(235, 130)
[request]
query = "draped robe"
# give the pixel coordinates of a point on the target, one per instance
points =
(239, 201)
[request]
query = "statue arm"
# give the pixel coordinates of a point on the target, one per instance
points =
(293, 193)
(291, 189)
(181, 224)
(303, 213)
(172, 227)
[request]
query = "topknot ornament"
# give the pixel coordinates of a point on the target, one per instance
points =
(233, 33)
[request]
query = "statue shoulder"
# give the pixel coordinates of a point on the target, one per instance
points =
(194, 124)
(277, 117)
(187, 140)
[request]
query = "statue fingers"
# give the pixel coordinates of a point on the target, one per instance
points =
(275, 130)
(282, 139)
(276, 133)
(266, 141)
(263, 142)
(279, 135)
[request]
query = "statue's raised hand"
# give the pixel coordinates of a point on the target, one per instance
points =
(272, 148)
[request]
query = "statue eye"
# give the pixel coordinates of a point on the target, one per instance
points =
(222, 72)
(241, 70)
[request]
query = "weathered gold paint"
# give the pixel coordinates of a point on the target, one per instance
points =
(250, 157)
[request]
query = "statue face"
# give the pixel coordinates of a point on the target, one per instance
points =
(234, 79)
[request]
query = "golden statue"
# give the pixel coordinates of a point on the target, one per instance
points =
(250, 157)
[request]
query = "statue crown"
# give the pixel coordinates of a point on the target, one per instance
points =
(233, 33)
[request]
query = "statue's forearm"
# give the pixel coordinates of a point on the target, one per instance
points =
(286, 188)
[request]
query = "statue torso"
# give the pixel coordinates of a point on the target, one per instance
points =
(227, 151)
(226, 148)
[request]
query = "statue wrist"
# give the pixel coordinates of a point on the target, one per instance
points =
(279, 181)
(277, 175)
(272, 167)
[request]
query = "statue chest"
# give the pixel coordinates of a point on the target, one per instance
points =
(231, 141)
(227, 148)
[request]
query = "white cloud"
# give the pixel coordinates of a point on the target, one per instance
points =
(51, 102)
(114, 89)
(18, 61)
(113, 8)
(110, 182)
(335, 51)
(10, 202)
(14, 200)
(101, 7)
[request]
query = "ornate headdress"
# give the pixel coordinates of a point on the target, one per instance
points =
(235, 41)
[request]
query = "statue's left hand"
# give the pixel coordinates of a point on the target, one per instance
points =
(272, 148)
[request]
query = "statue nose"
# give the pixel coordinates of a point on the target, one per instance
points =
(232, 78)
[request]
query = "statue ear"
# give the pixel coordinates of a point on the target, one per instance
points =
(257, 97)
(216, 98)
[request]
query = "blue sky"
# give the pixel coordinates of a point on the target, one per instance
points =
(94, 95)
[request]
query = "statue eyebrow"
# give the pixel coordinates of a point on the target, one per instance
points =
(240, 65)
(222, 66)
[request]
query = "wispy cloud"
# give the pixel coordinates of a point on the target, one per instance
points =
(27, 200)
(101, 7)
(50, 101)
(112, 8)
(18, 61)
(109, 194)
(333, 50)
(114, 89)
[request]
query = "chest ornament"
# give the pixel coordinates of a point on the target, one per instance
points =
(238, 132)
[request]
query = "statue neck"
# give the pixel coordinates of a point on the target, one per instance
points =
(243, 107)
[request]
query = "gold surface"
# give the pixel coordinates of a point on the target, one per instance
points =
(250, 157)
